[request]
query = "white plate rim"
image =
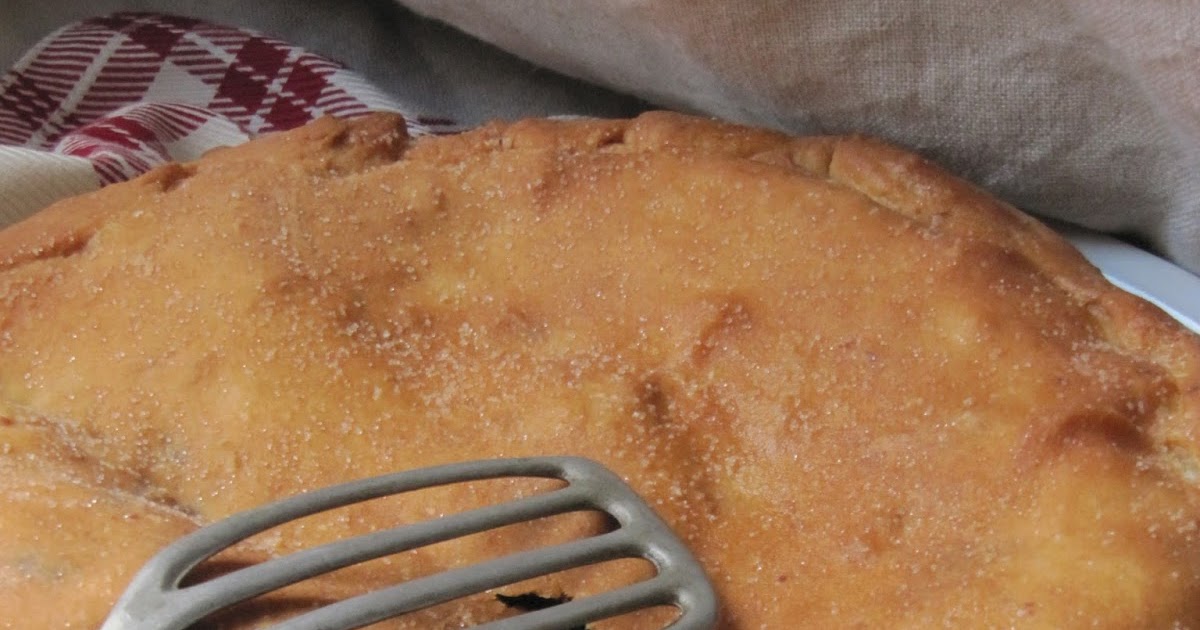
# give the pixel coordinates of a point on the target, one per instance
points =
(1172, 288)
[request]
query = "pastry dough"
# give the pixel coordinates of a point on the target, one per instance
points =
(864, 392)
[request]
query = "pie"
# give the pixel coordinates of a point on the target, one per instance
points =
(864, 392)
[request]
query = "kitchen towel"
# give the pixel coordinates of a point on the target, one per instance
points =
(108, 98)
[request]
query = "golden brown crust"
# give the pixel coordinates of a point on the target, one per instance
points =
(868, 394)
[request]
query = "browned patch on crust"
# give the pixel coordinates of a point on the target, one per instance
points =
(733, 319)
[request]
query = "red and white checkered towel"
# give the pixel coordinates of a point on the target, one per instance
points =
(109, 98)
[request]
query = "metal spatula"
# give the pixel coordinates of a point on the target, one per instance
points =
(155, 599)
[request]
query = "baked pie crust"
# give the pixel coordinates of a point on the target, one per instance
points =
(866, 393)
